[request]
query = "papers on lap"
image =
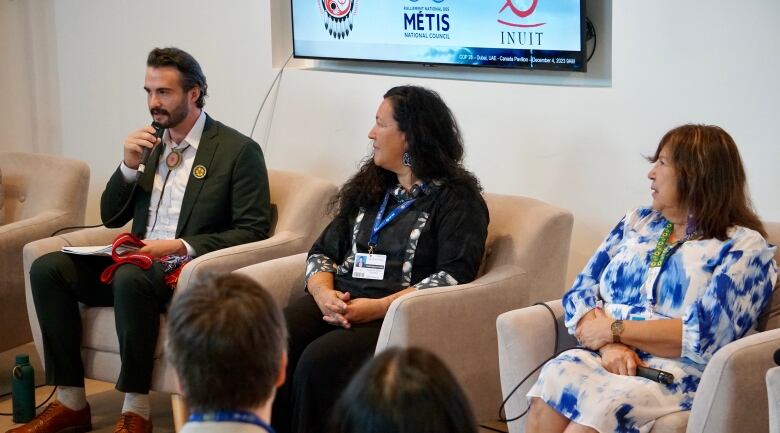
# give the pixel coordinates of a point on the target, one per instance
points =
(101, 250)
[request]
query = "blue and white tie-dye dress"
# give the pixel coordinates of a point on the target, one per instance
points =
(718, 289)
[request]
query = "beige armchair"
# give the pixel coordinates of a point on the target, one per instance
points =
(301, 202)
(773, 395)
(526, 258)
(731, 397)
(38, 195)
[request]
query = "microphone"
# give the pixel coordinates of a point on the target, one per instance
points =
(158, 133)
(777, 357)
(655, 375)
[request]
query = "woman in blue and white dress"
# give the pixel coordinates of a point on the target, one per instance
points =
(668, 287)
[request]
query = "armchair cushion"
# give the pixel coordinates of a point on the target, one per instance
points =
(770, 318)
(527, 251)
(730, 396)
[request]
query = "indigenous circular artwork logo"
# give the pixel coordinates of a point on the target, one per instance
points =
(516, 15)
(338, 15)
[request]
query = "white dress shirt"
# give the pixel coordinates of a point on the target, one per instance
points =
(166, 200)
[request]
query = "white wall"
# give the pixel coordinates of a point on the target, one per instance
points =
(577, 147)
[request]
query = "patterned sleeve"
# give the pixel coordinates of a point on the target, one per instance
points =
(460, 236)
(743, 276)
(330, 248)
(584, 294)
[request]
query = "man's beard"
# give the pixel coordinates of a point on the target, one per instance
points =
(175, 117)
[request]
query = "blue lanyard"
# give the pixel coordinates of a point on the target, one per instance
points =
(230, 416)
(381, 221)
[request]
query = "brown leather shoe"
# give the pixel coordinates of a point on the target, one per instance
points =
(57, 418)
(130, 422)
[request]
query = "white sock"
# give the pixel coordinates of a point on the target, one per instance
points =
(72, 397)
(137, 403)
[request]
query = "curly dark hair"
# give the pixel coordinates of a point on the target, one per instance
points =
(711, 179)
(191, 73)
(433, 142)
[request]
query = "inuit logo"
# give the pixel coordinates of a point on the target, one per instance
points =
(338, 15)
(520, 15)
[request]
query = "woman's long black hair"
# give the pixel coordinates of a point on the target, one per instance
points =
(434, 144)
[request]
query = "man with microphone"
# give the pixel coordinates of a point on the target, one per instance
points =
(204, 187)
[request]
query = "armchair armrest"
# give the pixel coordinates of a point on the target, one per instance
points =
(282, 278)
(40, 225)
(526, 338)
(33, 250)
(457, 324)
(281, 244)
(14, 236)
(85, 237)
(732, 392)
(773, 393)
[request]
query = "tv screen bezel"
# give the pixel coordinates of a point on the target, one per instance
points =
(581, 56)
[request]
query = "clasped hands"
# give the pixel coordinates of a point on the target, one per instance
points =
(340, 310)
(594, 331)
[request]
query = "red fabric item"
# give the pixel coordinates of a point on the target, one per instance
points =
(142, 260)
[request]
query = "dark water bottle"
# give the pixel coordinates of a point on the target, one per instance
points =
(23, 389)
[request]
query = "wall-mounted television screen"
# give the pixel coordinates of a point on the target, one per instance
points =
(536, 34)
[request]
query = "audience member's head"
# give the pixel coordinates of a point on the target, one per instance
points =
(403, 391)
(227, 341)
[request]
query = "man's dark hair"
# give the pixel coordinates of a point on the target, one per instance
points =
(403, 391)
(191, 74)
(226, 339)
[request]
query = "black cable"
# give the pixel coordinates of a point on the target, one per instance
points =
(36, 407)
(501, 417)
(270, 88)
(112, 219)
(590, 33)
(159, 130)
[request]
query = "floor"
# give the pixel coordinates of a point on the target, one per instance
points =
(105, 401)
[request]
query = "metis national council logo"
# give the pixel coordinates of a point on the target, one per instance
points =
(338, 15)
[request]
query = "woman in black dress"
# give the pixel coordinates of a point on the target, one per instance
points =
(415, 217)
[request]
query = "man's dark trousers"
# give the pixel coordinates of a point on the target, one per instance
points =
(59, 281)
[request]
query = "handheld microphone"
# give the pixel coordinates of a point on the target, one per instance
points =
(158, 133)
(655, 375)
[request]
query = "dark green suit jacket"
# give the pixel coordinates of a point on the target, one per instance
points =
(229, 206)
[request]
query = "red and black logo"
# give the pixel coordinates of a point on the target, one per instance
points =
(338, 15)
(520, 16)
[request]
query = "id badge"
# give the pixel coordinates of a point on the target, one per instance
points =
(369, 266)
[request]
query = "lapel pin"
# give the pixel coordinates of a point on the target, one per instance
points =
(199, 172)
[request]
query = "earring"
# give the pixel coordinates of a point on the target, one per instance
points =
(406, 159)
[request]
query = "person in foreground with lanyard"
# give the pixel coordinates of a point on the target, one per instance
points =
(227, 342)
(668, 287)
(407, 390)
(410, 219)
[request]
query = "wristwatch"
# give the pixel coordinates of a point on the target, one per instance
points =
(617, 329)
